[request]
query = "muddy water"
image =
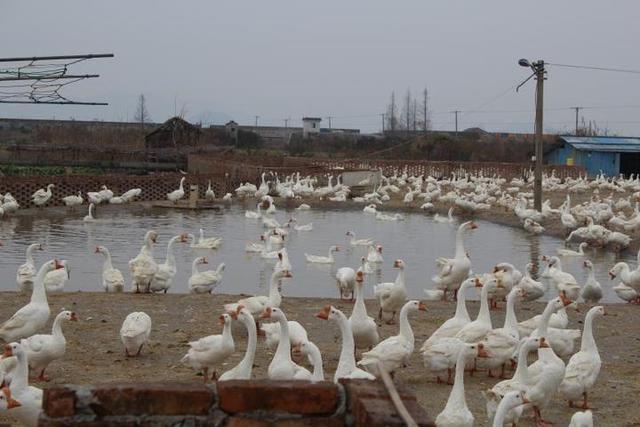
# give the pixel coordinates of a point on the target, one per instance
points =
(418, 241)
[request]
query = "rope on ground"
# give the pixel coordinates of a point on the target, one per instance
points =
(395, 397)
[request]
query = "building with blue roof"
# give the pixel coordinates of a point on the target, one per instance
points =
(611, 155)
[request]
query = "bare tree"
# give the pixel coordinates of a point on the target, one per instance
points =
(391, 116)
(406, 111)
(414, 115)
(425, 123)
(142, 114)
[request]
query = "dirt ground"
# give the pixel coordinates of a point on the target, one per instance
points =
(95, 354)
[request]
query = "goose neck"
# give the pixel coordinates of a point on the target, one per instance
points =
(510, 320)
(284, 345)
(347, 361)
(359, 308)
(274, 293)
(405, 327)
(522, 370)
(56, 329)
(30, 250)
(171, 258)
(194, 268)
(460, 251)
(20, 380)
(457, 398)
(108, 265)
(461, 304)
(39, 294)
(250, 353)
(226, 332)
(483, 314)
(544, 319)
(588, 342)
(316, 360)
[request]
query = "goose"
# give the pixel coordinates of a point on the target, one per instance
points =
(309, 349)
(511, 401)
(582, 419)
(347, 363)
(563, 281)
(358, 242)
(501, 343)
(204, 282)
(558, 320)
(363, 327)
(626, 293)
(583, 368)
(546, 383)
(395, 351)
(27, 271)
(206, 242)
(303, 207)
(281, 366)
(370, 209)
(461, 317)
(209, 194)
(178, 194)
(94, 197)
(54, 281)
(519, 382)
(73, 200)
(34, 316)
(207, 353)
(305, 227)
(105, 194)
(271, 331)
(572, 253)
(89, 216)
(476, 330)
(30, 397)
(456, 413)
(346, 281)
(116, 200)
(395, 217)
(257, 304)
(10, 204)
(508, 276)
(163, 278)
(257, 214)
(41, 350)
(143, 267)
(135, 332)
(242, 371)
(365, 267)
(445, 219)
(7, 401)
(532, 288)
(452, 271)
(392, 295)
(532, 227)
(317, 259)
(129, 195)
(375, 254)
(592, 291)
(112, 279)
(42, 196)
(630, 278)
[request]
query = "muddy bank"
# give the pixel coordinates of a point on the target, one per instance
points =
(94, 352)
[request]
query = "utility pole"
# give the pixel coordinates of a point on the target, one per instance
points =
(456, 114)
(329, 118)
(382, 116)
(256, 122)
(286, 123)
(577, 113)
(537, 185)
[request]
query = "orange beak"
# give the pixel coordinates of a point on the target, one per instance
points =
(74, 316)
(280, 256)
(234, 315)
(221, 320)
(262, 238)
(288, 274)
(422, 307)
(8, 352)
(58, 265)
(482, 352)
(296, 349)
(154, 238)
(566, 301)
(380, 249)
(525, 401)
(360, 276)
(478, 283)
(324, 313)
(396, 264)
(337, 248)
(612, 275)
(604, 312)
(97, 251)
(184, 238)
(543, 343)
(239, 309)
(473, 225)
(266, 314)
(204, 261)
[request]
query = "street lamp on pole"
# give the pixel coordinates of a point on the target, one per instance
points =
(539, 75)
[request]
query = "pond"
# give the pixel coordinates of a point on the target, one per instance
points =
(417, 240)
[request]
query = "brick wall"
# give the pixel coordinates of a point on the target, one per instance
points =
(230, 403)
(154, 187)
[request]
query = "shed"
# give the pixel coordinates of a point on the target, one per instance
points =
(173, 136)
(611, 155)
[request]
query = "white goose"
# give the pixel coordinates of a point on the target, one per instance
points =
(375, 254)
(581, 419)
(135, 332)
(34, 316)
(592, 291)
(476, 330)
(364, 328)
(257, 304)
(242, 371)
(30, 397)
(297, 333)
(346, 281)
(178, 194)
(392, 295)
(163, 278)
(206, 242)
(323, 259)
(571, 253)
(562, 341)
(309, 349)
(209, 352)
(452, 271)
(209, 194)
(73, 200)
(630, 278)
(281, 366)
(112, 279)
(456, 413)
(254, 214)
(204, 282)
(89, 216)
(445, 219)
(563, 281)
(41, 350)
(546, 382)
(347, 363)
(559, 320)
(143, 267)
(27, 271)
(395, 351)
(511, 401)
(532, 288)
(358, 242)
(584, 366)
(42, 196)
(55, 280)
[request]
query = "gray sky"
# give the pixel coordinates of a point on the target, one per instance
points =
(291, 58)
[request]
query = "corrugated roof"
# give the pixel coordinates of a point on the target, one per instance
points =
(604, 143)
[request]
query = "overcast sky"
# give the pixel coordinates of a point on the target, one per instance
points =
(236, 59)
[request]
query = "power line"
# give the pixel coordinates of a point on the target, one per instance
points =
(588, 67)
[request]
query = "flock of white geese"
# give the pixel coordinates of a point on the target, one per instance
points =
(460, 344)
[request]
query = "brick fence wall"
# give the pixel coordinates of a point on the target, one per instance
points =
(231, 403)
(154, 187)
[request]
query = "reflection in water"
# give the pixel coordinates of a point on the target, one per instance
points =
(417, 240)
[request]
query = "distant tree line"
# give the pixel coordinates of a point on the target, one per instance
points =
(413, 115)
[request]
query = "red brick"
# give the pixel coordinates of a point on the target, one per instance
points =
(296, 397)
(357, 389)
(59, 402)
(152, 399)
(240, 421)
